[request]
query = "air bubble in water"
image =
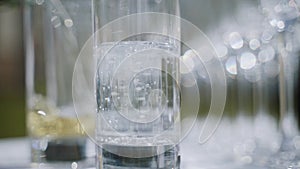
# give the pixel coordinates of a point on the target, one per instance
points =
(235, 40)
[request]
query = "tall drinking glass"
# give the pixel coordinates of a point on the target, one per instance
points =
(55, 31)
(137, 49)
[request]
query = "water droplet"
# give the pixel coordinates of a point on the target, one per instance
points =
(247, 60)
(254, 44)
(231, 65)
(68, 23)
(235, 40)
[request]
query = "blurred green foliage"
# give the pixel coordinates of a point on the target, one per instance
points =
(9, 2)
(12, 74)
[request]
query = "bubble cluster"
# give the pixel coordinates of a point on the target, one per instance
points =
(135, 83)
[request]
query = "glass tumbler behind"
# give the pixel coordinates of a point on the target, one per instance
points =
(55, 31)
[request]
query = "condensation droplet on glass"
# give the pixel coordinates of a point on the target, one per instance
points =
(68, 23)
(247, 60)
(231, 66)
(235, 40)
(266, 54)
(39, 2)
(254, 44)
(55, 21)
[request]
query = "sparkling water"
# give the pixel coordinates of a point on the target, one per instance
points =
(138, 105)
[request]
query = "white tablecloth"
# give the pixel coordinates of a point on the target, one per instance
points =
(14, 153)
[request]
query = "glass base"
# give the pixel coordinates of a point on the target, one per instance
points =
(62, 153)
(167, 160)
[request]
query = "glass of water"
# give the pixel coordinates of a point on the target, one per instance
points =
(137, 49)
(55, 31)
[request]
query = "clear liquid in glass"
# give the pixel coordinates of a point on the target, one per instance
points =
(138, 105)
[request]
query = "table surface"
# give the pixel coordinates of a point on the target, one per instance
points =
(214, 154)
(14, 153)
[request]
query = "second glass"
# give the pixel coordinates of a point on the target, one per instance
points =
(55, 31)
(138, 120)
